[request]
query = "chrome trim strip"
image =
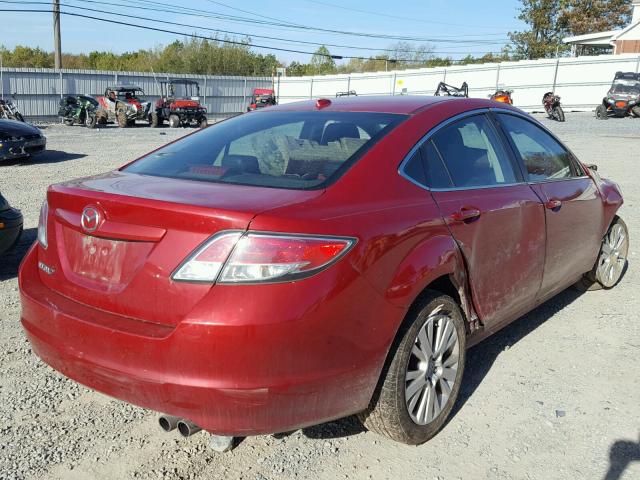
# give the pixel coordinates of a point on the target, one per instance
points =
(427, 136)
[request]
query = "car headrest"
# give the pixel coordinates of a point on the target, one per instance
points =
(237, 164)
(450, 140)
(335, 131)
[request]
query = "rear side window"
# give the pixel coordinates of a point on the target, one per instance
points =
(473, 154)
(415, 169)
(295, 150)
(437, 175)
(544, 158)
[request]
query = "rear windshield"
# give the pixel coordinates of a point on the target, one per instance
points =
(297, 150)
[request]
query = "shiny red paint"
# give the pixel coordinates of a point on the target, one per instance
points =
(250, 359)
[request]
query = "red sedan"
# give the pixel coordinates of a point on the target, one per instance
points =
(314, 260)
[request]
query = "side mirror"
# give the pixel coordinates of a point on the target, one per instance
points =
(593, 167)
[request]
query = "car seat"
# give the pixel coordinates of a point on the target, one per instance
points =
(335, 131)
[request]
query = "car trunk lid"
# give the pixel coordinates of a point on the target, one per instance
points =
(115, 239)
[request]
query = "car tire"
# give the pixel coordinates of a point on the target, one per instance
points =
(155, 120)
(174, 121)
(611, 261)
(121, 118)
(415, 421)
(601, 112)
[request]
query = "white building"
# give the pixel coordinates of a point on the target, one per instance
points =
(626, 40)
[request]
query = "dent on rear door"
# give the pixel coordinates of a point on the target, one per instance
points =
(496, 219)
(504, 248)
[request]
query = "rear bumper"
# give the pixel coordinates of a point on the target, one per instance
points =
(232, 377)
(189, 115)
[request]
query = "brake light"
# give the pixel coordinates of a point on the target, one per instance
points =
(42, 225)
(262, 257)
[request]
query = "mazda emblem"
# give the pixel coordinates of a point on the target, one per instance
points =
(90, 219)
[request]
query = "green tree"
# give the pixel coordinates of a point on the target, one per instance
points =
(551, 20)
(590, 16)
(322, 63)
(544, 36)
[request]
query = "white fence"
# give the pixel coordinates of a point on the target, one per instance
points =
(581, 82)
(38, 90)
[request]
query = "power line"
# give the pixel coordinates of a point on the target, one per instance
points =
(441, 39)
(388, 15)
(194, 35)
(286, 40)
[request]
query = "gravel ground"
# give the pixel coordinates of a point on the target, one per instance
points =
(553, 396)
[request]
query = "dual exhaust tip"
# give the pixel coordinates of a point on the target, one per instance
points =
(186, 427)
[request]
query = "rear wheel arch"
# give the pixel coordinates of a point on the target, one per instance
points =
(435, 265)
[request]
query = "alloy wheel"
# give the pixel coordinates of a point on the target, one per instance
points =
(613, 256)
(432, 367)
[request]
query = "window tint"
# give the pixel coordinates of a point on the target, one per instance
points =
(274, 149)
(544, 158)
(473, 153)
(414, 168)
(436, 173)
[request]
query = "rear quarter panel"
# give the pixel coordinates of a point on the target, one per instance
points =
(403, 243)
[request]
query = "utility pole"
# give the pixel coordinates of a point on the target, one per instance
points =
(56, 34)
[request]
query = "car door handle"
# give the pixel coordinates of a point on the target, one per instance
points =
(553, 204)
(465, 214)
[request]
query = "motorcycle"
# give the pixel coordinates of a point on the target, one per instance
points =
(551, 103)
(502, 96)
(9, 111)
(451, 91)
(80, 109)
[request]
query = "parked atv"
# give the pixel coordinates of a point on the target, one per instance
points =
(502, 96)
(122, 105)
(551, 103)
(451, 91)
(262, 97)
(80, 110)
(623, 97)
(9, 111)
(180, 104)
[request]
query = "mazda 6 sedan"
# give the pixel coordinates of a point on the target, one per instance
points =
(314, 260)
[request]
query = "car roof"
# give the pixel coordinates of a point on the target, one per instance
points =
(180, 81)
(405, 104)
(123, 88)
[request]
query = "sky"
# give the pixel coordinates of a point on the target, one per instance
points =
(450, 28)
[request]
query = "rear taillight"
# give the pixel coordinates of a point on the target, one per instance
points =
(262, 257)
(42, 225)
(205, 263)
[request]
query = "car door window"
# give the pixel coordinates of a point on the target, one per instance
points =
(543, 157)
(473, 154)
